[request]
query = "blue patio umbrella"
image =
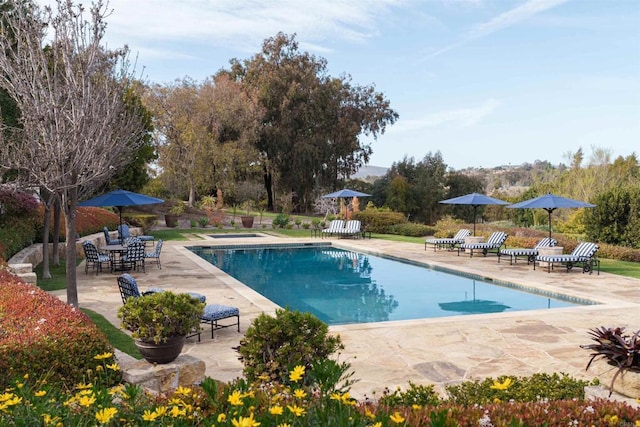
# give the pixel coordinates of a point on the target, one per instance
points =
(550, 202)
(345, 193)
(120, 199)
(474, 200)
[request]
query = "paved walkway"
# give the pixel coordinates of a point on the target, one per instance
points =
(428, 351)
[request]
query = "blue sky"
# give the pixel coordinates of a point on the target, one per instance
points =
(485, 82)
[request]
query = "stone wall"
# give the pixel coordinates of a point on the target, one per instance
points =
(22, 263)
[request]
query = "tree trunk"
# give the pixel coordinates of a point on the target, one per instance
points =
(268, 186)
(192, 194)
(46, 274)
(48, 199)
(70, 203)
(56, 231)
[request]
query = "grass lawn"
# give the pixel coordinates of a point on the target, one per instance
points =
(116, 336)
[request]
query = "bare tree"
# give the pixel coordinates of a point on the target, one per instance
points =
(78, 122)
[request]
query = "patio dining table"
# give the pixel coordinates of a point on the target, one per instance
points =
(116, 253)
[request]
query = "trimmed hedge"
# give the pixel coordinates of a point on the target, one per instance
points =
(43, 337)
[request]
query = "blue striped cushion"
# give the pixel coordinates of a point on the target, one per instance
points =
(495, 241)
(213, 312)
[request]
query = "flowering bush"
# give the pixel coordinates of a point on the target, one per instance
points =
(296, 401)
(18, 221)
(42, 336)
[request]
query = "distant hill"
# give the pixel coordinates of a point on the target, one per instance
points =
(370, 171)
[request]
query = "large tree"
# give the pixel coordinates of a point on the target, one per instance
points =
(204, 133)
(77, 128)
(311, 122)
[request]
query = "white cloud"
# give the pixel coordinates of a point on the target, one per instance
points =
(500, 22)
(462, 117)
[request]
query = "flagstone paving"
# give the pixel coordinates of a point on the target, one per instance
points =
(427, 351)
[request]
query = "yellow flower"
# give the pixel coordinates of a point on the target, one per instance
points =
(40, 393)
(105, 415)
(638, 422)
(336, 396)
(378, 424)
(347, 400)
(49, 420)
(496, 400)
(300, 393)
(116, 390)
(185, 391)
(284, 425)
(222, 418)
(87, 401)
(245, 422)
(613, 421)
(297, 374)
(369, 414)
(6, 396)
(502, 385)
(25, 376)
(149, 416)
(276, 410)
(20, 385)
(113, 367)
(82, 386)
(176, 412)
(235, 398)
(296, 410)
(396, 418)
(103, 356)
(161, 411)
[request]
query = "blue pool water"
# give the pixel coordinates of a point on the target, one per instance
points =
(344, 287)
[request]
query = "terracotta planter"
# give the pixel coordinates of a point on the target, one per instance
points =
(247, 221)
(171, 220)
(162, 352)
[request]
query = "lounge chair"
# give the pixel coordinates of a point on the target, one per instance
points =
(212, 314)
(124, 232)
(351, 229)
(449, 243)
(93, 258)
(584, 255)
(334, 228)
(154, 256)
(108, 240)
(529, 253)
(493, 244)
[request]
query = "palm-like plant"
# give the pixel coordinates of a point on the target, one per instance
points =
(617, 348)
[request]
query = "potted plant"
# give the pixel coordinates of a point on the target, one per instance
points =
(247, 220)
(176, 210)
(620, 350)
(159, 323)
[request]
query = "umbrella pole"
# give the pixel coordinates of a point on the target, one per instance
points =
(475, 207)
(120, 228)
(550, 210)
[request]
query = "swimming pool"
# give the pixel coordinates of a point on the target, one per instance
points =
(343, 287)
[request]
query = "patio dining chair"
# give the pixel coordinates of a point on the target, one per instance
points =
(93, 258)
(154, 255)
(134, 255)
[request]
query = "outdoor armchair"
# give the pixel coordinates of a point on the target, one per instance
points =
(93, 258)
(108, 240)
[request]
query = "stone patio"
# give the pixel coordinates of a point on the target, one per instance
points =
(388, 354)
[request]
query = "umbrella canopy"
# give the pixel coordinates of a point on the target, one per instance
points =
(474, 200)
(475, 306)
(345, 193)
(119, 199)
(550, 202)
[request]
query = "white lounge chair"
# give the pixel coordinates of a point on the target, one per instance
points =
(351, 229)
(493, 244)
(584, 255)
(450, 242)
(335, 226)
(529, 253)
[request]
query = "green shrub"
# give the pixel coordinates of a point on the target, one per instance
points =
(146, 221)
(46, 338)
(379, 220)
(281, 221)
(447, 227)
(274, 345)
(414, 395)
(18, 221)
(520, 389)
(411, 229)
